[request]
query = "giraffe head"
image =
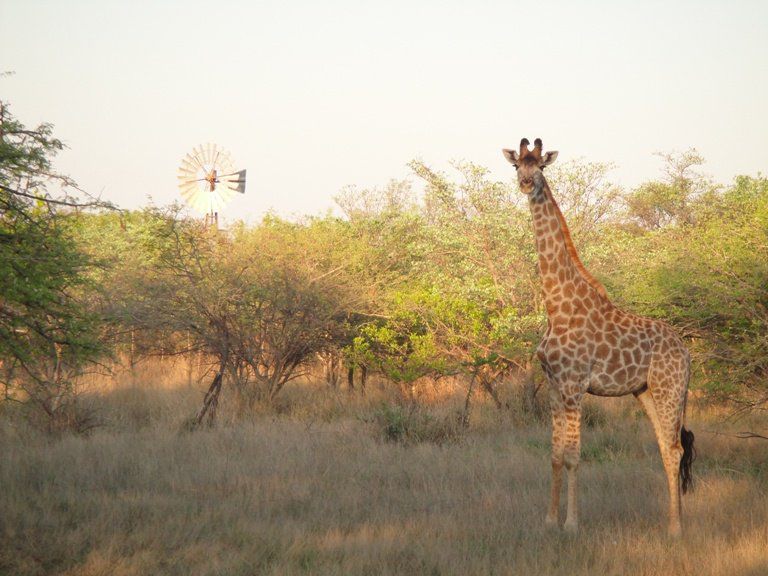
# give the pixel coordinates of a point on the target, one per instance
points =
(529, 164)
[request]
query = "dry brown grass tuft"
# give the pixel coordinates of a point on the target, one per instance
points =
(316, 491)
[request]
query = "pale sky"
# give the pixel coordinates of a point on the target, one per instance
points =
(310, 97)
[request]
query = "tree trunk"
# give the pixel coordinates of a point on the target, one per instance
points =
(331, 365)
(351, 379)
(529, 389)
(211, 401)
(132, 359)
(487, 385)
(468, 402)
(189, 358)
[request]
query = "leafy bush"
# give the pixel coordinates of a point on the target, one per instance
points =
(414, 424)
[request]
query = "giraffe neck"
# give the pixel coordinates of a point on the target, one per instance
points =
(562, 272)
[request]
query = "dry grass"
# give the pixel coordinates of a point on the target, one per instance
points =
(313, 489)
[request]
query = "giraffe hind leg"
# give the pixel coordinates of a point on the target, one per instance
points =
(663, 406)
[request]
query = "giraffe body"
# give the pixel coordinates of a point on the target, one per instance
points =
(592, 347)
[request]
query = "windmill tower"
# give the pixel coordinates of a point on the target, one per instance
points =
(208, 180)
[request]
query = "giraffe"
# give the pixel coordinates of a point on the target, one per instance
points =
(592, 347)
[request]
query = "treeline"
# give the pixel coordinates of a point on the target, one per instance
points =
(422, 279)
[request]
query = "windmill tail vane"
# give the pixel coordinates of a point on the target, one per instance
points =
(236, 180)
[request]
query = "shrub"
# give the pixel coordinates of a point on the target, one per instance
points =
(413, 424)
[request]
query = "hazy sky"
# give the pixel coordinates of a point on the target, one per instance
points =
(313, 96)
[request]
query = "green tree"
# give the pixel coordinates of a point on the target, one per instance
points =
(260, 302)
(718, 279)
(660, 203)
(47, 335)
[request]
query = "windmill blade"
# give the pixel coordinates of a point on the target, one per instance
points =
(189, 190)
(219, 198)
(217, 157)
(197, 200)
(184, 175)
(194, 201)
(191, 165)
(205, 156)
(200, 153)
(194, 160)
(224, 163)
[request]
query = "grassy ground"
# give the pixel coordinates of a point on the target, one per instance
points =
(317, 489)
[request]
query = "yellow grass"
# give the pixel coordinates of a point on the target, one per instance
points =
(313, 489)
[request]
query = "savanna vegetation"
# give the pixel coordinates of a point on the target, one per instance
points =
(357, 393)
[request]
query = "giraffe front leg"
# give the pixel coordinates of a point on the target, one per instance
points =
(558, 449)
(571, 458)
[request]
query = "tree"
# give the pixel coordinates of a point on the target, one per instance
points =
(260, 302)
(704, 270)
(484, 297)
(718, 276)
(47, 335)
(588, 199)
(660, 203)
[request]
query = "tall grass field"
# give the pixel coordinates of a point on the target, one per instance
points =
(327, 482)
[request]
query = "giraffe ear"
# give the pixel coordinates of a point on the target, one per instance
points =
(548, 158)
(511, 155)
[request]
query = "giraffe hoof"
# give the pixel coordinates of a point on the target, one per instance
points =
(571, 527)
(674, 532)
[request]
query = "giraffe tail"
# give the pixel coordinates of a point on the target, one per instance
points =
(689, 455)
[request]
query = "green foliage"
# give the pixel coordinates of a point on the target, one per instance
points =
(723, 270)
(413, 424)
(587, 198)
(415, 281)
(402, 349)
(708, 274)
(47, 331)
(260, 302)
(450, 284)
(671, 201)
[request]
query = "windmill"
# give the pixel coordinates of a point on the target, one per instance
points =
(208, 180)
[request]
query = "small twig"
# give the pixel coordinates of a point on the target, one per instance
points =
(742, 435)
(747, 435)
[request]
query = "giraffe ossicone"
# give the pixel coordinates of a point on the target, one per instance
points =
(592, 347)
